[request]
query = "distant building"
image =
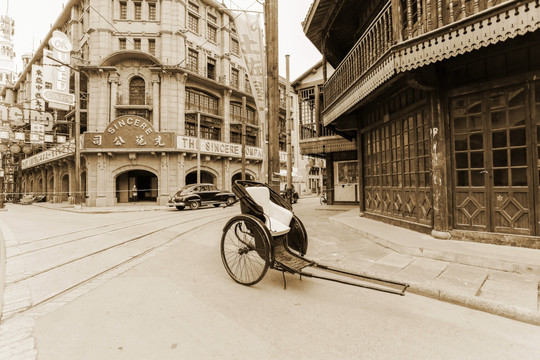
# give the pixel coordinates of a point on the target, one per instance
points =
(156, 76)
(7, 54)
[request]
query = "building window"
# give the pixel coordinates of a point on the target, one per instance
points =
(123, 43)
(151, 11)
(137, 44)
(138, 11)
(212, 18)
(211, 69)
(236, 135)
(137, 91)
(123, 10)
(152, 46)
(199, 101)
(193, 23)
(193, 7)
(211, 33)
(307, 113)
(193, 60)
(247, 85)
(235, 48)
(210, 127)
(234, 78)
(236, 114)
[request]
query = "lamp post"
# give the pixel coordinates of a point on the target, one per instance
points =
(289, 189)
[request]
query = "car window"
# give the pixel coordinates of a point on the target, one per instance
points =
(212, 187)
(195, 189)
(203, 188)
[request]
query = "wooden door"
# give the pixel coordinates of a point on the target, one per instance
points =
(492, 161)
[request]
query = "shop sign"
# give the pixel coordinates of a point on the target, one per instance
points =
(212, 147)
(54, 153)
(129, 132)
(18, 115)
(36, 91)
(58, 96)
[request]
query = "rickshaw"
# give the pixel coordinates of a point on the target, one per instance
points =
(268, 235)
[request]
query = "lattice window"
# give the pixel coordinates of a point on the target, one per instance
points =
(123, 10)
(193, 60)
(138, 11)
(152, 46)
(211, 33)
(152, 12)
(193, 23)
(137, 91)
(235, 47)
(199, 101)
(235, 78)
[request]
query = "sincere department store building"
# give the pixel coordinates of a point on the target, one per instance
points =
(152, 72)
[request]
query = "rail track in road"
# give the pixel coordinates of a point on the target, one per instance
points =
(56, 265)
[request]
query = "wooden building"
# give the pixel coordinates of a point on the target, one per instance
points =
(443, 99)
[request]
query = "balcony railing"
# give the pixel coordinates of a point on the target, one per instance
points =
(418, 21)
(373, 44)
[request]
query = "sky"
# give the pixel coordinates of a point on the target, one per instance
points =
(33, 20)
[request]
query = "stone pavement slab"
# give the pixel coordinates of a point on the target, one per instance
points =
(502, 280)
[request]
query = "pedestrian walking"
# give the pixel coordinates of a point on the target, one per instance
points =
(134, 194)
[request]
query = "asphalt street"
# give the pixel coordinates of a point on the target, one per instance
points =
(177, 302)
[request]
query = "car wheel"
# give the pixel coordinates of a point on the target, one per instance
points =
(230, 201)
(194, 205)
(180, 207)
(217, 205)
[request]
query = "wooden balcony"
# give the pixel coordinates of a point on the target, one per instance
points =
(408, 34)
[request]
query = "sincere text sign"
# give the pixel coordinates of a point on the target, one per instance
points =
(218, 148)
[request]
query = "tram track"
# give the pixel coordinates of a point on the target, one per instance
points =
(48, 283)
(57, 239)
(79, 231)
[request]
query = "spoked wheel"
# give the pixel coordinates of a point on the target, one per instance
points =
(245, 249)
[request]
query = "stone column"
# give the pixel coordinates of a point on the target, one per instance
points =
(156, 101)
(181, 80)
(114, 80)
(164, 180)
(226, 116)
(101, 180)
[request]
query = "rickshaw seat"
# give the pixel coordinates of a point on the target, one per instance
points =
(277, 218)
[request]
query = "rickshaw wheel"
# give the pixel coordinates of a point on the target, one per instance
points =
(245, 249)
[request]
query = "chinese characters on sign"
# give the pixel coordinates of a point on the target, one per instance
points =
(37, 130)
(129, 132)
(248, 26)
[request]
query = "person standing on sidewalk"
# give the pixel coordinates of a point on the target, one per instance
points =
(134, 194)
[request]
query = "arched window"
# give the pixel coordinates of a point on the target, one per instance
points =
(136, 91)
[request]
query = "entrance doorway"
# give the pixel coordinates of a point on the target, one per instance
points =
(64, 193)
(494, 164)
(145, 181)
(238, 176)
(206, 177)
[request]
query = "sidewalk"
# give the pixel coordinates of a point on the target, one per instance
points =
(502, 280)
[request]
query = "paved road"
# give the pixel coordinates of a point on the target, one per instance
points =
(177, 302)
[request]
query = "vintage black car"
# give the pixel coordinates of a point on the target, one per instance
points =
(195, 195)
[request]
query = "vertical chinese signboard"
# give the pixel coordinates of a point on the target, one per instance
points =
(37, 130)
(249, 31)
